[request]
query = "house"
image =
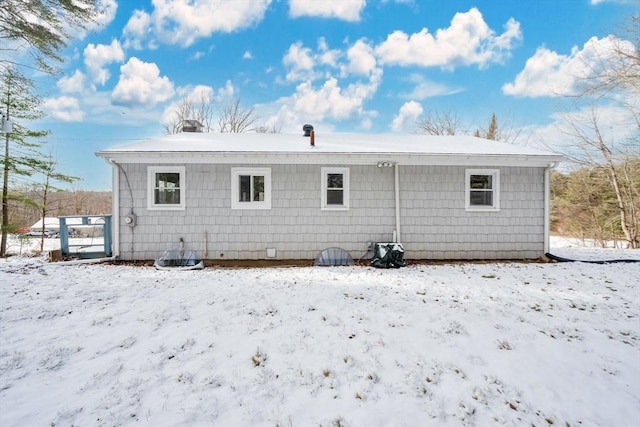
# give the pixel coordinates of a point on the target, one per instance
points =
(287, 197)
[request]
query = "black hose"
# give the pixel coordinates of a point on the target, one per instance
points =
(610, 261)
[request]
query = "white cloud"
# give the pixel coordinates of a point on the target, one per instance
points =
(197, 55)
(96, 57)
(332, 101)
(303, 64)
(548, 73)
(406, 118)
(327, 56)
(468, 40)
(74, 84)
(137, 29)
(182, 22)
(299, 60)
(348, 79)
(140, 84)
(428, 89)
(247, 55)
(361, 58)
(63, 108)
(348, 10)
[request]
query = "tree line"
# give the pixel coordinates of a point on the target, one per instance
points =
(58, 203)
(584, 203)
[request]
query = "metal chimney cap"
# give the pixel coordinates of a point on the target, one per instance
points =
(307, 129)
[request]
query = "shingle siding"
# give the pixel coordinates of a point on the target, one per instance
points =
(434, 222)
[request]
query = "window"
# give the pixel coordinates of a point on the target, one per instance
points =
(335, 189)
(250, 188)
(482, 191)
(166, 187)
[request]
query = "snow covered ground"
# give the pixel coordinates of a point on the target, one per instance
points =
(464, 344)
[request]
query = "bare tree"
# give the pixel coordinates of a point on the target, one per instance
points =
(616, 67)
(236, 118)
(612, 83)
(50, 174)
(435, 123)
(589, 148)
(202, 108)
(273, 128)
(231, 117)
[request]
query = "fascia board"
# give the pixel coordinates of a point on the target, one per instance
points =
(275, 158)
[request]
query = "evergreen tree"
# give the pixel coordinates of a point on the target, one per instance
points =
(22, 156)
(38, 30)
(492, 131)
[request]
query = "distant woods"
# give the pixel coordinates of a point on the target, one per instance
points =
(449, 123)
(584, 203)
(59, 203)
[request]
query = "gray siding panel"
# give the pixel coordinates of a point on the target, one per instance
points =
(434, 222)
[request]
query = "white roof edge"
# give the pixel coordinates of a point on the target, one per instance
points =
(264, 158)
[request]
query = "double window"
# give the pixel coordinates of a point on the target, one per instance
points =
(335, 189)
(482, 190)
(166, 187)
(250, 188)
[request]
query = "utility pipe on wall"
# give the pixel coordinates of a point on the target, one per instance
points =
(115, 208)
(547, 205)
(397, 194)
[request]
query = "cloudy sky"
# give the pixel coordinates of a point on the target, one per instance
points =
(370, 66)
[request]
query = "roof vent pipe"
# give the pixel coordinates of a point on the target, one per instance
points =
(307, 130)
(312, 141)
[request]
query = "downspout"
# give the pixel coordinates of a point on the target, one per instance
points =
(115, 207)
(397, 194)
(547, 206)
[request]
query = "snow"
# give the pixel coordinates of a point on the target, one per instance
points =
(325, 143)
(458, 344)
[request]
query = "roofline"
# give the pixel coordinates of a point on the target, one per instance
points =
(280, 158)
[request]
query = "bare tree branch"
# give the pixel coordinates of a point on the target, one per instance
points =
(236, 118)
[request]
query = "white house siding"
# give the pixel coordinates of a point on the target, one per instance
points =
(434, 223)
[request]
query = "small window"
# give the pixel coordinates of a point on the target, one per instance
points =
(482, 191)
(166, 187)
(251, 188)
(335, 189)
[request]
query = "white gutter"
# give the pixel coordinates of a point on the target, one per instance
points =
(397, 194)
(318, 157)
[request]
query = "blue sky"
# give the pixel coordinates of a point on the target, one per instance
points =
(370, 66)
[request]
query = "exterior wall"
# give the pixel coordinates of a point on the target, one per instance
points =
(434, 223)
(295, 226)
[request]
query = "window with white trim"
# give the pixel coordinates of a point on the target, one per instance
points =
(482, 190)
(335, 189)
(250, 188)
(165, 187)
